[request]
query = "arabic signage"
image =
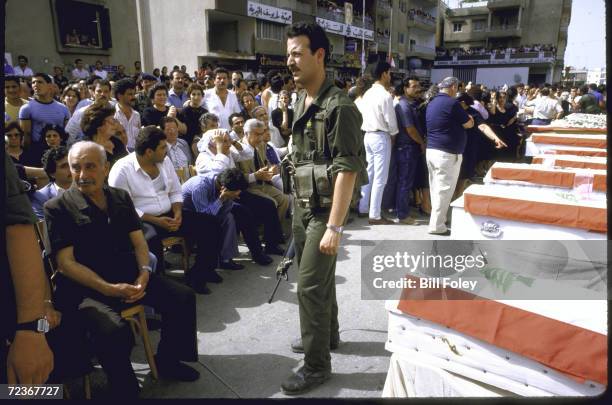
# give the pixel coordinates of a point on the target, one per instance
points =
(344, 29)
(493, 61)
(265, 12)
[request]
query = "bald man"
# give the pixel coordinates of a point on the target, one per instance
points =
(103, 257)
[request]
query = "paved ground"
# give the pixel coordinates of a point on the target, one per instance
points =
(244, 341)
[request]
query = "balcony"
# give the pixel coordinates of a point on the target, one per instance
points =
(422, 51)
(337, 16)
(503, 31)
(417, 21)
(358, 22)
(467, 36)
(497, 4)
(522, 58)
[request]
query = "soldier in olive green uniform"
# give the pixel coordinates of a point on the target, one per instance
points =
(329, 166)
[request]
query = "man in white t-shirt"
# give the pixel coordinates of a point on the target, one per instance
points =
(79, 72)
(99, 71)
(22, 68)
(546, 108)
(219, 100)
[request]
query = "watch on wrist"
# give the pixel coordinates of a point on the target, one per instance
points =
(147, 268)
(40, 325)
(337, 229)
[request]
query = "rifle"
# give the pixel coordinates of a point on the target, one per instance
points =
(283, 267)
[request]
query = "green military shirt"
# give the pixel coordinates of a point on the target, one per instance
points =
(341, 119)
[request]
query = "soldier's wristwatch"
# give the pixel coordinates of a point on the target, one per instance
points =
(38, 325)
(338, 229)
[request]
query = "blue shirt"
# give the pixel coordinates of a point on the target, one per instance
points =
(200, 195)
(176, 100)
(445, 118)
(598, 95)
(41, 114)
(406, 113)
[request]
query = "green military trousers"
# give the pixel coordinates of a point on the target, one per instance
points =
(316, 288)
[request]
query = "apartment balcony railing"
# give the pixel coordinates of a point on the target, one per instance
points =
(357, 22)
(381, 39)
(422, 20)
(330, 15)
(421, 49)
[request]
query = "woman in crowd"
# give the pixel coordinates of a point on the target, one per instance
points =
(282, 117)
(13, 137)
(54, 136)
(191, 113)
(164, 75)
(71, 97)
(248, 103)
(154, 114)
(178, 149)
(502, 117)
(99, 125)
(276, 85)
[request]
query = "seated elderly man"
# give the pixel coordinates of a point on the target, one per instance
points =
(208, 121)
(149, 177)
(101, 253)
(276, 138)
(259, 170)
(211, 161)
(55, 164)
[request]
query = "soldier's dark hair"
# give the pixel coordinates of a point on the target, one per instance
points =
(380, 68)
(316, 36)
(123, 85)
(51, 157)
(149, 137)
(233, 179)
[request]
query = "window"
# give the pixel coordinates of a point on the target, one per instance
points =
(400, 37)
(479, 25)
(82, 25)
(457, 27)
(269, 30)
(403, 6)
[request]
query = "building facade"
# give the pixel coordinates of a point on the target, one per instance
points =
(237, 34)
(55, 33)
(499, 42)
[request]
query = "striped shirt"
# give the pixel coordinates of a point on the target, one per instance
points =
(41, 114)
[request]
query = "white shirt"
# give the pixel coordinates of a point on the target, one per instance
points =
(546, 108)
(276, 138)
(481, 109)
(80, 74)
(377, 111)
(128, 175)
(102, 74)
(23, 72)
(131, 126)
(213, 104)
(207, 162)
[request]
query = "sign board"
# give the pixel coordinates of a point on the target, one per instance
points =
(344, 29)
(492, 61)
(269, 13)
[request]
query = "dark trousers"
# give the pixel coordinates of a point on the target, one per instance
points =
(407, 158)
(316, 289)
(204, 230)
(112, 339)
(256, 210)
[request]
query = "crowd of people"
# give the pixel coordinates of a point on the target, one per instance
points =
(133, 160)
(443, 52)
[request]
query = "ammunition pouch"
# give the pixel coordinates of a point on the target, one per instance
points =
(313, 185)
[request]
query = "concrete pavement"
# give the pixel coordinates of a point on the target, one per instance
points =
(244, 341)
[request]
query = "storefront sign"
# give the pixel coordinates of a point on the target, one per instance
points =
(493, 61)
(265, 12)
(272, 60)
(358, 32)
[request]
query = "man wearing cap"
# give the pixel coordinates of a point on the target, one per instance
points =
(446, 139)
(142, 98)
